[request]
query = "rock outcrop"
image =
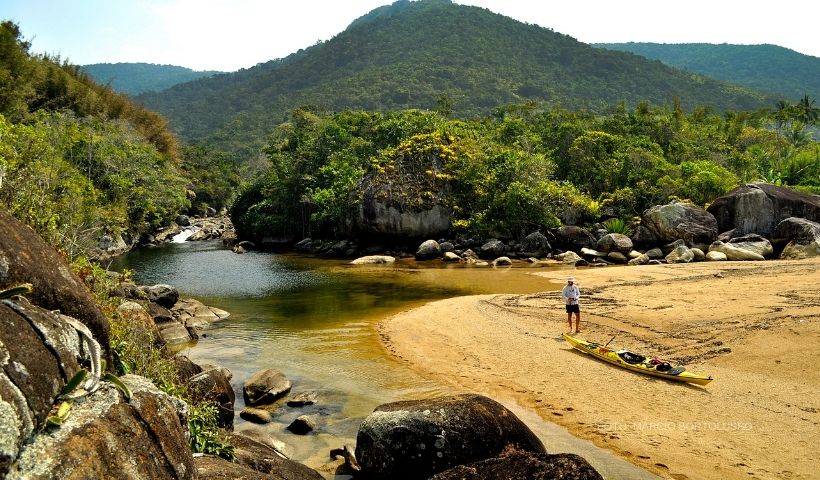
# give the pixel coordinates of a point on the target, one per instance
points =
(759, 207)
(261, 457)
(571, 237)
(27, 258)
(416, 439)
(406, 198)
(677, 220)
(801, 236)
(536, 245)
(107, 436)
(33, 372)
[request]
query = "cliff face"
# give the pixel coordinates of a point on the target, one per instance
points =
(42, 348)
(406, 195)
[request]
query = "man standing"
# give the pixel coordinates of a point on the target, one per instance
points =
(571, 294)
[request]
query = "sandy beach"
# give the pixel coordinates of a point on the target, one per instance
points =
(753, 326)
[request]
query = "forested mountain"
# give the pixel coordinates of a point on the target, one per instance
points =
(430, 54)
(136, 78)
(762, 67)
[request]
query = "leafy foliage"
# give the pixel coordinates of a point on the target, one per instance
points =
(77, 159)
(618, 225)
(521, 170)
(213, 175)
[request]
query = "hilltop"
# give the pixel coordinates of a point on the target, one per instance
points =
(136, 78)
(763, 67)
(464, 60)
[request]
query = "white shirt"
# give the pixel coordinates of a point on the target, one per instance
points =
(571, 294)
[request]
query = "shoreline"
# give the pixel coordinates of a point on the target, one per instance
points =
(751, 325)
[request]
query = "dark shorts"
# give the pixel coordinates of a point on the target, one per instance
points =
(574, 308)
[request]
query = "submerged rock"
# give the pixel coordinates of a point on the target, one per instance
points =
(374, 260)
(265, 387)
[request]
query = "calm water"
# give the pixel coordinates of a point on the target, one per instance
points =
(315, 320)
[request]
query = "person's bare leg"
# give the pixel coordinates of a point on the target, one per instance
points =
(577, 322)
(569, 320)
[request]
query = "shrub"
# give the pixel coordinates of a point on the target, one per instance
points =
(617, 225)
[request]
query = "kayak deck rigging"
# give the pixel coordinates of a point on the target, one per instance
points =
(637, 363)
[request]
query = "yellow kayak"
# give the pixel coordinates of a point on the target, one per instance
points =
(637, 363)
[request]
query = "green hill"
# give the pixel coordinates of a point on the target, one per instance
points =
(418, 54)
(136, 78)
(78, 160)
(762, 67)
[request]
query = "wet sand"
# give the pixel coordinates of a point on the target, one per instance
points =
(753, 326)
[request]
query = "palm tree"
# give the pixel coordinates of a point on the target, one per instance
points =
(806, 112)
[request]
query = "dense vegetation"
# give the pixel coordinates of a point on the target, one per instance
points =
(76, 159)
(136, 78)
(522, 169)
(412, 54)
(763, 67)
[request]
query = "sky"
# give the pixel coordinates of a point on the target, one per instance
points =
(227, 35)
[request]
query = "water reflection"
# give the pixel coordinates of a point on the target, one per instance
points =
(315, 320)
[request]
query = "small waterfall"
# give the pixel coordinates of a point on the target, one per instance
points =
(182, 236)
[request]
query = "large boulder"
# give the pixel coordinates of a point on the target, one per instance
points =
(265, 387)
(536, 245)
(107, 436)
(27, 258)
(754, 243)
(406, 197)
(571, 237)
(679, 220)
(759, 207)
(643, 238)
(733, 252)
(801, 236)
(40, 353)
(428, 250)
(614, 242)
(418, 438)
(163, 295)
(681, 254)
(524, 465)
(792, 228)
(214, 384)
(492, 249)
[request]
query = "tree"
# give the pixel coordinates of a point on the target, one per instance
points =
(806, 112)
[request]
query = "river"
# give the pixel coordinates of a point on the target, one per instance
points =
(315, 320)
